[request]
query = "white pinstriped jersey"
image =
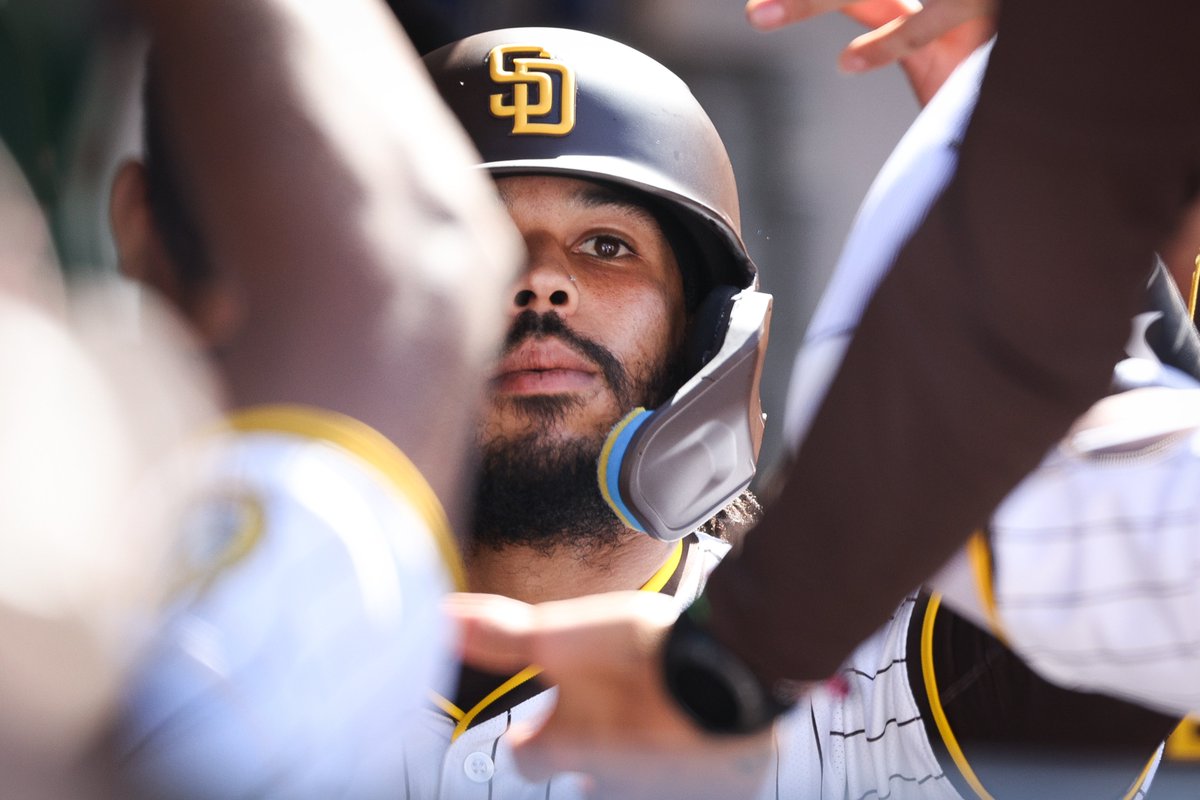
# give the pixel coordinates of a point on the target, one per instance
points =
(1094, 573)
(858, 738)
(310, 625)
(865, 741)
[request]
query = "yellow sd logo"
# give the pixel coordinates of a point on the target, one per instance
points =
(532, 67)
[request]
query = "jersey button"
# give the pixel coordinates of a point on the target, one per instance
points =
(479, 767)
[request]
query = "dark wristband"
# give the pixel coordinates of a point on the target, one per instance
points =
(712, 684)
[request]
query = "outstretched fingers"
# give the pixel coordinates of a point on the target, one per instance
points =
(905, 35)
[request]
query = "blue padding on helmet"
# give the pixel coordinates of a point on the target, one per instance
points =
(609, 467)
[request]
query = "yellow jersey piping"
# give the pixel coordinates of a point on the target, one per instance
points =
(935, 702)
(371, 446)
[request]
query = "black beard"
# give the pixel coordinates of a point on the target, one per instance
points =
(545, 494)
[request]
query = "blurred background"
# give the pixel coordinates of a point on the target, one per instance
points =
(805, 140)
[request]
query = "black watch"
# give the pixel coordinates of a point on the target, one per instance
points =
(713, 685)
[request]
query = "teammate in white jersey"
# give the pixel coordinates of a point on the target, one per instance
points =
(627, 244)
(312, 561)
(328, 251)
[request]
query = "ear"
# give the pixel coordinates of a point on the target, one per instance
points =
(141, 255)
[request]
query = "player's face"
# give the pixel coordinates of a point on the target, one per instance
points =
(596, 318)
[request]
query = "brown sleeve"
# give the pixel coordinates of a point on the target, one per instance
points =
(999, 324)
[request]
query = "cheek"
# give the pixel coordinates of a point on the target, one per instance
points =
(641, 328)
(661, 317)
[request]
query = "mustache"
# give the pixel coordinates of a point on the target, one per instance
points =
(530, 324)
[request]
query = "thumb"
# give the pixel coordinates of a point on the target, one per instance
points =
(495, 633)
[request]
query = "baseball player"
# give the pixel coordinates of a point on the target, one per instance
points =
(275, 208)
(633, 351)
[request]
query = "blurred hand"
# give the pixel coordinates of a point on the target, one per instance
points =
(928, 42)
(613, 719)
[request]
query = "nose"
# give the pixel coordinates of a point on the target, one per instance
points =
(547, 284)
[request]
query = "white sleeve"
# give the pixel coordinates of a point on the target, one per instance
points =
(899, 198)
(307, 637)
(1095, 556)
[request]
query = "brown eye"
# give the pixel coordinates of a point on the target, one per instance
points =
(606, 247)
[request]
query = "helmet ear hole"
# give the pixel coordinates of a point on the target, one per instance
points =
(709, 324)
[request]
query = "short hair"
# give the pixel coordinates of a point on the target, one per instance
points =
(166, 195)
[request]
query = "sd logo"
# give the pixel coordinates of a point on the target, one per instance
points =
(543, 90)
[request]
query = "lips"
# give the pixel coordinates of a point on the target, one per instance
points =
(544, 365)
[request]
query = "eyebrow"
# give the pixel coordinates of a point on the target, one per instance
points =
(593, 195)
(597, 196)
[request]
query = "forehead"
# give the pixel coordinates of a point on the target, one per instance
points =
(559, 191)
